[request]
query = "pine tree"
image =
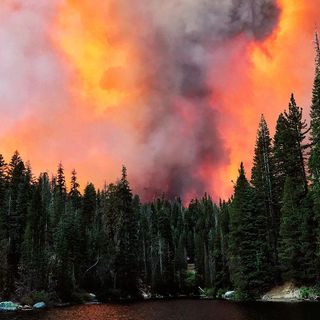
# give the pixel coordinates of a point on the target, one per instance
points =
(88, 230)
(74, 194)
(314, 163)
(280, 151)
(89, 205)
(308, 241)
(225, 230)
(155, 249)
(59, 198)
(290, 233)
(15, 218)
(203, 257)
(167, 248)
(126, 259)
(289, 149)
(61, 180)
(3, 220)
(291, 187)
(145, 243)
(65, 238)
(296, 148)
(216, 252)
(249, 258)
(95, 238)
(34, 266)
(179, 239)
(3, 191)
(65, 234)
(262, 179)
(106, 268)
(79, 241)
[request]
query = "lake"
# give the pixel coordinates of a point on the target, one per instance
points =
(178, 310)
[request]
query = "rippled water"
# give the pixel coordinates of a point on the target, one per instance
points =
(179, 310)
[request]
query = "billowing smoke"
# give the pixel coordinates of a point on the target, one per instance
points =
(158, 109)
(179, 46)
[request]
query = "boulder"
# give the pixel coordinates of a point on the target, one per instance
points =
(286, 292)
(26, 307)
(39, 305)
(229, 295)
(8, 306)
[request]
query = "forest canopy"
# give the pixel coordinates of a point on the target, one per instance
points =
(60, 240)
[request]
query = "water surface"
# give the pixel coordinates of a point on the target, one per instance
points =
(178, 310)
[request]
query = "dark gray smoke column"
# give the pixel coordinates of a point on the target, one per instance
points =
(179, 41)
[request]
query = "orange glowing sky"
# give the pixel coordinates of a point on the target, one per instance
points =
(282, 64)
(76, 86)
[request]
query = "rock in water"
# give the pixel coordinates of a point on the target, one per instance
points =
(229, 295)
(39, 305)
(26, 307)
(8, 306)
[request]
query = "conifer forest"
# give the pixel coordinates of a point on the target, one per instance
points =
(56, 238)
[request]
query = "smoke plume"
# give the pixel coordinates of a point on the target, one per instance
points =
(150, 84)
(178, 41)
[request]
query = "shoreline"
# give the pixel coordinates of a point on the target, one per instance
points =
(264, 299)
(166, 299)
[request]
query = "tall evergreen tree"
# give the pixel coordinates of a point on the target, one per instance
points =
(59, 197)
(89, 205)
(88, 229)
(296, 148)
(308, 241)
(292, 188)
(34, 262)
(3, 220)
(249, 258)
(290, 254)
(314, 163)
(262, 179)
(225, 230)
(126, 259)
(280, 151)
(3, 191)
(15, 219)
(79, 241)
(204, 224)
(65, 244)
(289, 150)
(74, 193)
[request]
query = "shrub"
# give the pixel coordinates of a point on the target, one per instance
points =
(26, 300)
(81, 296)
(190, 279)
(220, 293)
(242, 296)
(209, 292)
(306, 293)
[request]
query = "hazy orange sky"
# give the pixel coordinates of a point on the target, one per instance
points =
(173, 89)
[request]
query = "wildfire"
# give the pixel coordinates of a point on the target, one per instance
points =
(98, 83)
